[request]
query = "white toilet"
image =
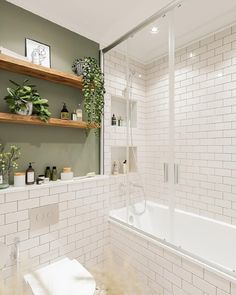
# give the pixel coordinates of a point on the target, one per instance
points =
(62, 278)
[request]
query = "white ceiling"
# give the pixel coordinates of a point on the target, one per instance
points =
(194, 20)
(103, 21)
(106, 20)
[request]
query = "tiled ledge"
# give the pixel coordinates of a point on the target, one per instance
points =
(58, 183)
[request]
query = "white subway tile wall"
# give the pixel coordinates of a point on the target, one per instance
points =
(81, 232)
(205, 124)
(115, 136)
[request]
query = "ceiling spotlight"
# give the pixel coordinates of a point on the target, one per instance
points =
(190, 54)
(140, 76)
(154, 30)
(220, 75)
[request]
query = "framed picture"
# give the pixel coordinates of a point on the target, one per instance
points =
(38, 53)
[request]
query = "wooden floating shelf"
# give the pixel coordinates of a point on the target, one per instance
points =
(33, 120)
(27, 68)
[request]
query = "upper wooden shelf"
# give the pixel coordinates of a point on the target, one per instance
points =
(27, 68)
(33, 120)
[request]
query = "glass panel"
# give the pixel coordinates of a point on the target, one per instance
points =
(137, 81)
(205, 126)
(148, 51)
(181, 141)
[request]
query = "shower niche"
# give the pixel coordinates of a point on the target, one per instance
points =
(118, 108)
(118, 153)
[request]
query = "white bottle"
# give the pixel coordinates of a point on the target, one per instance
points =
(79, 113)
(115, 170)
(124, 166)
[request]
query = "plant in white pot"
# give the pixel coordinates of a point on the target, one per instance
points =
(25, 100)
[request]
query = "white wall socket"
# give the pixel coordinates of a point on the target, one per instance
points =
(43, 216)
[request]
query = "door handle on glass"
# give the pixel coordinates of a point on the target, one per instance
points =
(166, 176)
(176, 173)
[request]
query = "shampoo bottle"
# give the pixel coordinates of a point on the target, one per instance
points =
(30, 175)
(48, 173)
(54, 173)
(79, 113)
(64, 113)
(113, 120)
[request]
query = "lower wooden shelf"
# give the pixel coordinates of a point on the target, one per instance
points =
(33, 120)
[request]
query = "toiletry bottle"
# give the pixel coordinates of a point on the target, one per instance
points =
(30, 175)
(74, 116)
(64, 113)
(119, 120)
(113, 120)
(79, 113)
(54, 173)
(124, 167)
(116, 165)
(48, 172)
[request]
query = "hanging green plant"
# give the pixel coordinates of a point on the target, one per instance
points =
(93, 88)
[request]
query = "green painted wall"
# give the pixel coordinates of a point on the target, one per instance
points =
(47, 145)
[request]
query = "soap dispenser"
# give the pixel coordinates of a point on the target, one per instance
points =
(113, 120)
(30, 175)
(64, 112)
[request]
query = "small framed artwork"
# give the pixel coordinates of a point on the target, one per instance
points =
(38, 53)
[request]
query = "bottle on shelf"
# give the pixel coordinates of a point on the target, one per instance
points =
(54, 173)
(30, 175)
(119, 121)
(124, 167)
(113, 120)
(64, 113)
(115, 170)
(74, 116)
(79, 113)
(48, 172)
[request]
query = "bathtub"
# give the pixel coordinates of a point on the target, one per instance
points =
(205, 241)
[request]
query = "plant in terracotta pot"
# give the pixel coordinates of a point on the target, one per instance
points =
(8, 162)
(25, 100)
(93, 88)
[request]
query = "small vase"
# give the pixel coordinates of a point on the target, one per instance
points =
(79, 69)
(28, 111)
(4, 179)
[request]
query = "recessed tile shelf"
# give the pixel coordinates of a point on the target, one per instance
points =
(32, 120)
(118, 107)
(27, 68)
(119, 153)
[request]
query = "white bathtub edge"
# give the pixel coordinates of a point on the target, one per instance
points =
(164, 245)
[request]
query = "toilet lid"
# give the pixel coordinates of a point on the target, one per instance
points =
(62, 278)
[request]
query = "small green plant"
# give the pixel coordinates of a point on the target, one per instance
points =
(93, 89)
(8, 160)
(8, 163)
(24, 99)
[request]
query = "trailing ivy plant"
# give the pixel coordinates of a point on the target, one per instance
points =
(93, 89)
(20, 95)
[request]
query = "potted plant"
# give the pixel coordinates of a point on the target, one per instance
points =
(24, 100)
(8, 162)
(93, 88)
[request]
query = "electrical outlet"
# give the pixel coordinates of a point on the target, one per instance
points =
(44, 216)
